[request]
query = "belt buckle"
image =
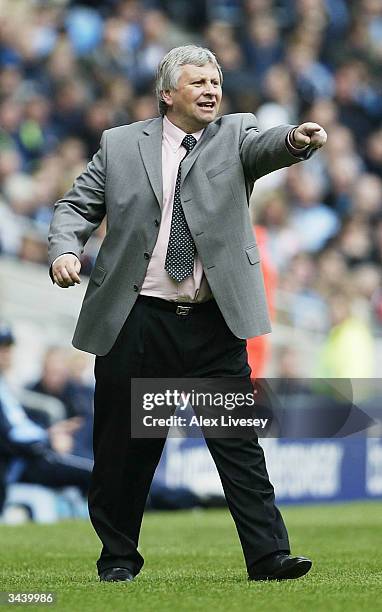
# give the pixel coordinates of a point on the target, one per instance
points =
(183, 310)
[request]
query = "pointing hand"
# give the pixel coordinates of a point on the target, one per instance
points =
(309, 134)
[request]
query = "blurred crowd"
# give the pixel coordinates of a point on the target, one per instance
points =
(69, 70)
(46, 434)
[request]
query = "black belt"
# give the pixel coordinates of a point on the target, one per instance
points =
(180, 308)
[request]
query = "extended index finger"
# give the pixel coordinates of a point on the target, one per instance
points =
(313, 127)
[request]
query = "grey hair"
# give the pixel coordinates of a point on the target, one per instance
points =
(169, 69)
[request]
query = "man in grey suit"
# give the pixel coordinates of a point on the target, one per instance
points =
(175, 291)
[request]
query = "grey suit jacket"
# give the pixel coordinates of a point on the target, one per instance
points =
(124, 182)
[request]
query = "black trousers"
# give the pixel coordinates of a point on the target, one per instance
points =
(155, 343)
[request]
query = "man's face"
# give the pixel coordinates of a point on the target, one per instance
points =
(196, 100)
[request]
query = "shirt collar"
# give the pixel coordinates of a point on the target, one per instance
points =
(175, 135)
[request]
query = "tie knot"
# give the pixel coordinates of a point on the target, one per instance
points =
(189, 142)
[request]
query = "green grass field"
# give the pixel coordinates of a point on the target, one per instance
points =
(194, 562)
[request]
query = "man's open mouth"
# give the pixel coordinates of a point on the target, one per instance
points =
(206, 104)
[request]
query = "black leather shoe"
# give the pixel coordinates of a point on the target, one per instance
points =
(280, 566)
(116, 574)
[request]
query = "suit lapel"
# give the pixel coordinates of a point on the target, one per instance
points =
(209, 132)
(150, 147)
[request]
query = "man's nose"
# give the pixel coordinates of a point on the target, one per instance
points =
(208, 88)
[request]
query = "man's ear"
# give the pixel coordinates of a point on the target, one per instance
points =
(167, 97)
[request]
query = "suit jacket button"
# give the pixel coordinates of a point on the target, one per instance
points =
(146, 255)
(156, 223)
(135, 287)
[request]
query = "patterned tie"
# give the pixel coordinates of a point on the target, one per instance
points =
(181, 248)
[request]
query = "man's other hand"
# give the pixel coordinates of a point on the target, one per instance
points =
(65, 270)
(310, 134)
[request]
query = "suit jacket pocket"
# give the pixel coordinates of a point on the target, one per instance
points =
(253, 254)
(227, 163)
(98, 274)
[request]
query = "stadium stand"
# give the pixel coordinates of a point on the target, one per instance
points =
(69, 70)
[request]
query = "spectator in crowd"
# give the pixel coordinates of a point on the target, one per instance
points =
(348, 351)
(55, 381)
(61, 377)
(310, 218)
(28, 452)
(303, 305)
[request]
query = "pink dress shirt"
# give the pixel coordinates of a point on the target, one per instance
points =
(157, 282)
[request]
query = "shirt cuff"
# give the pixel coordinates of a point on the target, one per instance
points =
(296, 151)
(62, 254)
